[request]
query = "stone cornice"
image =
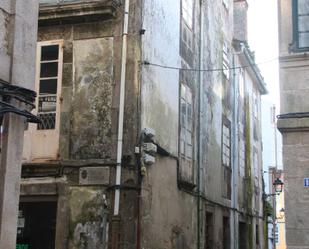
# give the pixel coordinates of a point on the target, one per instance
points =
(76, 12)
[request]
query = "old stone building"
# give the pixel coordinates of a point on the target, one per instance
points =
(150, 134)
(18, 31)
(293, 120)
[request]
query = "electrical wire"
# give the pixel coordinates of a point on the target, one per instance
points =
(147, 63)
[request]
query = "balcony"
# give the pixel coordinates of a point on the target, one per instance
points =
(75, 11)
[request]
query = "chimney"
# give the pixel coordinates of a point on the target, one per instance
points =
(240, 20)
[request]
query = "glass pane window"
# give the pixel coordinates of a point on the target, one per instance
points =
(225, 61)
(303, 7)
(226, 145)
(303, 40)
(49, 53)
(301, 23)
(48, 84)
(186, 122)
(187, 12)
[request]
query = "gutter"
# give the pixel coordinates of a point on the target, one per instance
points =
(199, 147)
(235, 157)
(247, 59)
(256, 72)
(121, 107)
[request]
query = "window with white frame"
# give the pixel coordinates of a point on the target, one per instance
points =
(49, 67)
(225, 61)
(186, 123)
(226, 145)
(187, 12)
(301, 24)
(226, 158)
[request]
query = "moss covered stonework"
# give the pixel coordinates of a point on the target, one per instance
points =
(248, 175)
(88, 218)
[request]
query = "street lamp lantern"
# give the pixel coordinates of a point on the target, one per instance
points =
(278, 185)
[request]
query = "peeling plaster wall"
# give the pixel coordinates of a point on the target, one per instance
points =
(88, 218)
(92, 98)
(160, 87)
(294, 92)
(88, 89)
(168, 214)
(88, 128)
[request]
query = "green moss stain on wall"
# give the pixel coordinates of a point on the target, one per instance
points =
(92, 98)
(88, 218)
(248, 174)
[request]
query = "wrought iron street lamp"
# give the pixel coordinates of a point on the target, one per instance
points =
(278, 185)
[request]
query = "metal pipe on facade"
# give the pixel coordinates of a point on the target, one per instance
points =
(121, 106)
(199, 160)
(235, 157)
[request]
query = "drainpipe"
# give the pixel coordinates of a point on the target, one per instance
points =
(199, 160)
(121, 106)
(235, 157)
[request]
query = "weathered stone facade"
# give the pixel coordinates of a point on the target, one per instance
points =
(293, 120)
(18, 31)
(191, 197)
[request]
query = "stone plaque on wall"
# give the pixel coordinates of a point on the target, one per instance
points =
(94, 176)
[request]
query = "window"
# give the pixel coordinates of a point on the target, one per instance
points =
(276, 233)
(186, 123)
(187, 37)
(226, 233)
(225, 61)
(301, 24)
(226, 145)
(257, 237)
(209, 231)
(242, 235)
(226, 158)
(48, 84)
(187, 12)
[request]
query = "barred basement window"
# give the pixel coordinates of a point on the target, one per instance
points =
(48, 86)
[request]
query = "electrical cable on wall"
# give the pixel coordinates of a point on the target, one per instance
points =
(147, 63)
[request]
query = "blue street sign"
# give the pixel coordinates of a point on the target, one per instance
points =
(306, 182)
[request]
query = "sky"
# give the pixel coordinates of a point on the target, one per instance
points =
(263, 40)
